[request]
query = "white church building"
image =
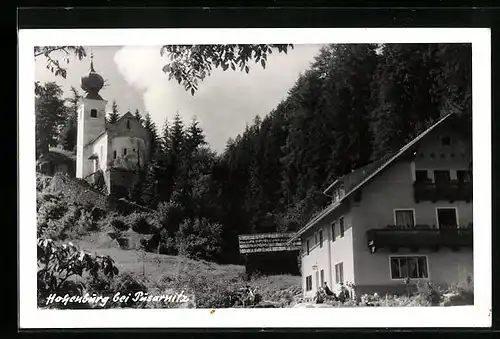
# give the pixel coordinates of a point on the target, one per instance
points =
(110, 151)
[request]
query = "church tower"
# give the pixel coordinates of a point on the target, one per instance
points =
(91, 120)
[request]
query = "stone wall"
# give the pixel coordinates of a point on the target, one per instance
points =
(119, 181)
(79, 191)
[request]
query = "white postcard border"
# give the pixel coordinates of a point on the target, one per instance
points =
(478, 315)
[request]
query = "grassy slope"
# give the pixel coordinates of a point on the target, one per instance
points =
(162, 271)
(158, 267)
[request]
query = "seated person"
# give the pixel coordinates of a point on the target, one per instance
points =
(327, 289)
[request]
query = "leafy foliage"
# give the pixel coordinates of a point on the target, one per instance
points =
(59, 263)
(53, 62)
(59, 220)
(191, 64)
(68, 135)
(50, 116)
(199, 239)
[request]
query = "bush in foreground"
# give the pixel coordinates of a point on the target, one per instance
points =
(61, 268)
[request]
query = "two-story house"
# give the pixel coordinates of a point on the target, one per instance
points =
(408, 215)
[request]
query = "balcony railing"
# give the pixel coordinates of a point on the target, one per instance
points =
(417, 237)
(451, 191)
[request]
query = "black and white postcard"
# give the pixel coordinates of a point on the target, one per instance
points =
(255, 178)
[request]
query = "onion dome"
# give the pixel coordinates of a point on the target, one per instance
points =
(92, 83)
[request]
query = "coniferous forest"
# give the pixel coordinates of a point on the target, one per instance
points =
(355, 104)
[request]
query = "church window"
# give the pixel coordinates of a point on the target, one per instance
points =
(128, 124)
(133, 149)
(124, 151)
(114, 154)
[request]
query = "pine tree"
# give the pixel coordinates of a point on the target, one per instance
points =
(194, 137)
(50, 115)
(165, 137)
(177, 137)
(405, 94)
(68, 135)
(138, 116)
(150, 126)
(150, 196)
(114, 115)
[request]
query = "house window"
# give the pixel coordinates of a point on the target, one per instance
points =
(93, 113)
(464, 176)
(316, 238)
(404, 218)
(341, 227)
(446, 141)
(339, 273)
(441, 177)
(421, 176)
(447, 218)
(124, 151)
(321, 238)
(133, 149)
(333, 231)
(409, 267)
(322, 277)
(309, 283)
(307, 246)
(128, 124)
(114, 154)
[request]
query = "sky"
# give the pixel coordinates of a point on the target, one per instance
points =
(224, 103)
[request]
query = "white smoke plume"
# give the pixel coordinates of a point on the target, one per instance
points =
(225, 101)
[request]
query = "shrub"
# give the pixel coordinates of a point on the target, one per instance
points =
(167, 244)
(42, 182)
(150, 243)
(60, 263)
(143, 223)
(57, 219)
(118, 224)
(50, 209)
(129, 283)
(170, 216)
(199, 239)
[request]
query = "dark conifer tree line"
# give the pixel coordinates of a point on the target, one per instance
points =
(355, 104)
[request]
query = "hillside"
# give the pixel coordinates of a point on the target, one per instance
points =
(66, 213)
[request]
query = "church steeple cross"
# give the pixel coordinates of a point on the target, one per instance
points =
(92, 61)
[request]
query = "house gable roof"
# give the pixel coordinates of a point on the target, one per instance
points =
(377, 168)
(112, 126)
(350, 180)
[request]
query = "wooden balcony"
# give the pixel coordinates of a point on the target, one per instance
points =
(418, 237)
(451, 191)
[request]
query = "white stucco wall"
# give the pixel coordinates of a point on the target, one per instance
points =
(100, 147)
(392, 190)
(326, 257)
(88, 129)
(135, 148)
